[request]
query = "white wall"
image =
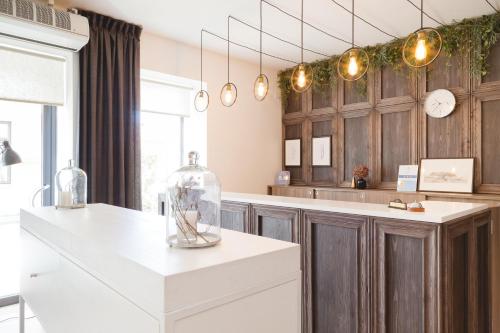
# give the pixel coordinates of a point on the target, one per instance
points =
(244, 141)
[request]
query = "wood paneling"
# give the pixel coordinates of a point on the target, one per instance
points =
(355, 145)
(490, 150)
(293, 191)
(276, 222)
(294, 129)
(294, 103)
(395, 83)
(323, 98)
(336, 278)
(235, 216)
(448, 73)
(405, 277)
(493, 74)
(321, 127)
(482, 229)
(397, 145)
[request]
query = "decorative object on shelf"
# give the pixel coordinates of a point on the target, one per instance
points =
(261, 85)
(439, 103)
(321, 151)
(360, 172)
(202, 98)
(302, 75)
(193, 217)
(353, 182)
(447, 175)
(423, 46)
(283, 178)
(71, 184)
(293, 152)
(229, 92)
(407, 178)
(354, 62)
(397, 204)
(416, 207)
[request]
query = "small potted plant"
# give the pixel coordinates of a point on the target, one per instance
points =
(360, 172)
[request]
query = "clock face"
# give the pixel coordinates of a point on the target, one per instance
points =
(439, 103)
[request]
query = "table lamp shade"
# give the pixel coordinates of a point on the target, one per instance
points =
(8, 156)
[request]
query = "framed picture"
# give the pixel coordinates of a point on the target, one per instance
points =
(447, 175)
(5, 128)
(322, 151)
(407, 178)
(293, 152)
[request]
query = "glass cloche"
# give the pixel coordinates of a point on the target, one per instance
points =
(71, 183)
(193, 217)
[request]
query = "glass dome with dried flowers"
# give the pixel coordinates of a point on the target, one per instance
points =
(193, 217)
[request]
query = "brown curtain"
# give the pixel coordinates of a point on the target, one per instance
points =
(109, 142)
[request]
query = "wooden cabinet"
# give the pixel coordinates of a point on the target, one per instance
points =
(336, 265)
(276, 222)
(405, 277)
(292, 191)
(235, 216)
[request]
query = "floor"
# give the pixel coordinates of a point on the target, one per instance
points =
(9, 320)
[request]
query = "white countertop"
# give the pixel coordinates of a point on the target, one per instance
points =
(122, 247)
(435, 211)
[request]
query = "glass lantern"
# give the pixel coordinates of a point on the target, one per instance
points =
(193, 217)
(71, 183)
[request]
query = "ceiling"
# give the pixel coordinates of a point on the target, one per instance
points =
(183, 20)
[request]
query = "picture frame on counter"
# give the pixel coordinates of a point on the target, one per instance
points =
(407, 178)
(293, 157)
(446, 175)
(322, 151)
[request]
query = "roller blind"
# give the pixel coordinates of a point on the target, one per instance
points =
(31, 77)
(165, 98)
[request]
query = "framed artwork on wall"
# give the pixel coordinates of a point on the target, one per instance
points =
(293, 152)
(321, 151)
(5, 128)
(447, 175)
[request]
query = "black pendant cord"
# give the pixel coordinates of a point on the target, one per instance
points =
(306, 23)
(201, 60)
(493, 7)
(421, 14)
(302, 32)
(426, 14)
(276, 37)
(248, 47)
(228, 43)
(352, 44)
(364, 20)
(260, 53)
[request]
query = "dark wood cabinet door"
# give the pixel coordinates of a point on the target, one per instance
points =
(405, 277)
(276, 222)
(235, 216)
(482, 269)
(336, 289)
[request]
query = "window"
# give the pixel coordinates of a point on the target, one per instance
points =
(33, 79)
(170, 128)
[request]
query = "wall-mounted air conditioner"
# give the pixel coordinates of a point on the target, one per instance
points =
(43, 24)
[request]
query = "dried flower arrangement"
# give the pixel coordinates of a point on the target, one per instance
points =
(360, 171)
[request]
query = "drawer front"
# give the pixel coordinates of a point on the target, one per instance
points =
(66, 298)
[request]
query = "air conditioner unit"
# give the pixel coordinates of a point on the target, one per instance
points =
(43, 24)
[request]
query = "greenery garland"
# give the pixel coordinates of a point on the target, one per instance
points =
(472, 37)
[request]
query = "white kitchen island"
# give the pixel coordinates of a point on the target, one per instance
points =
(107, 269)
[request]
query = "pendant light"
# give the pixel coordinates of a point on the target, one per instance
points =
(202, 98)
(261, 84)
(229, 93)
(302, 75)
(423, 46)
(354, 62)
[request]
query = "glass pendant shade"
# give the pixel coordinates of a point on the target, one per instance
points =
(261, 87)
(302, 77)
(422, 47)
(353, 64)
(201, 101)
(228, 94)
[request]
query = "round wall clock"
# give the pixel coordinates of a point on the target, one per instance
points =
(439, 103)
